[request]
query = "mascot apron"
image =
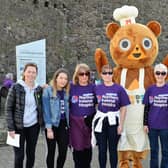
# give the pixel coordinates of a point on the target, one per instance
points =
(133, 137)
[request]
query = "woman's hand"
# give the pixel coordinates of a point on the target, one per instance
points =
(50, 134)
(119, 129)
(146, 129)
(12, 134)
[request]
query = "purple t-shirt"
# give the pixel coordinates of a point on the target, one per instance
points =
(82, 100)
(62, 103)
(157, 99)
(111, 98)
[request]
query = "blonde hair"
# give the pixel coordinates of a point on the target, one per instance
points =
(53, 81)
(78, 68)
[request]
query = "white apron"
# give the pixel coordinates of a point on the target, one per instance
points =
(133, 136)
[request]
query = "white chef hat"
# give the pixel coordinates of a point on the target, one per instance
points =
(125, 15)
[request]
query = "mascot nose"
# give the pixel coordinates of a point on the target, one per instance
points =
(137, 48)
(136, 53)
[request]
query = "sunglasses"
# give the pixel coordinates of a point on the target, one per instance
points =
(160, 73)
(105, 73)
(84, 73)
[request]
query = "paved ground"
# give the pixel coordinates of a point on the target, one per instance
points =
(6, 157)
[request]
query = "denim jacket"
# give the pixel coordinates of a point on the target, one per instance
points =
(51, 107)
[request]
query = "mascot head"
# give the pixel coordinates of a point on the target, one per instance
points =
(132, 45)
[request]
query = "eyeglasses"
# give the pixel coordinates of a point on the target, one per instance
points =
(105, 73)
(160, 73)
(84, 73)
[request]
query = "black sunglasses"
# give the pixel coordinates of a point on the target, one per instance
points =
(160, 73)
(84, 73)
(105, 73)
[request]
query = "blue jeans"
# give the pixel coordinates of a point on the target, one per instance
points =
(108, 138)
(154, 135)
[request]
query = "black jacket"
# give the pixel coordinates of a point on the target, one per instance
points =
(15, 104)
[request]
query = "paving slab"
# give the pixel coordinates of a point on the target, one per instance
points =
(6, 157)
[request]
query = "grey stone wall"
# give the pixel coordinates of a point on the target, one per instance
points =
(73, 28)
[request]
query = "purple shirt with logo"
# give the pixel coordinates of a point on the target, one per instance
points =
(111, 98)
(82, 100)
(157, 99)
(82, 103)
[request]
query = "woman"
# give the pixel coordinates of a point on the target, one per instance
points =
(156, 117)
(82, 109)
(56, 117)
(24, 114)
(108, 121)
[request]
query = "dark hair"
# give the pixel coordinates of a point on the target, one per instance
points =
(30, 64)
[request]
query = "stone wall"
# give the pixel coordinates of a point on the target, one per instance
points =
(73, 28)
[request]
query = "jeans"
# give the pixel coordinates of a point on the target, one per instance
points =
(61, 137)
(30, 136)
(108, 138)
(154, 135)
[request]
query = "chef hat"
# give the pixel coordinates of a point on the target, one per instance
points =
(125, 15)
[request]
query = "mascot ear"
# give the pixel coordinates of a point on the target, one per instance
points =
(165, 60)
(111, 29)
(155, 27)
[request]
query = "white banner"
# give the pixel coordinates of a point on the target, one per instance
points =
(34, 52)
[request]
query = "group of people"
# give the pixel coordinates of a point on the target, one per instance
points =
(79, 114)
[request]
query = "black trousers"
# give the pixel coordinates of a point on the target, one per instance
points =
(108, 140)
(61, 137)
(82, 158)
(30, 136)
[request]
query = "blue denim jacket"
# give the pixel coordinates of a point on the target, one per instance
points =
(51, 106)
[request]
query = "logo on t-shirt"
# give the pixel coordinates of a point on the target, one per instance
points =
(62, 106)
(161, 100)
(99, 97)
(109, 99)
(151, 98)
(74, 99)
(86, 100)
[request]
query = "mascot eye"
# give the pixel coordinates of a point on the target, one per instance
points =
(147, 43)
(125, 44)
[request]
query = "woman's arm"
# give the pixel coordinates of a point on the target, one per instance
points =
(47, 113)
(145, 121)
(10, 109)
(122, 118)
(46, 108)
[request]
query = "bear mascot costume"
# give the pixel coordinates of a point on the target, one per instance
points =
(133, 48)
